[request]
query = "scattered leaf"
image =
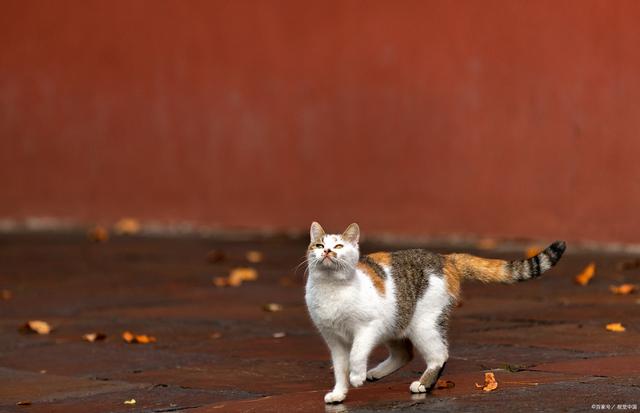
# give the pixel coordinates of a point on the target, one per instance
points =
(533, 250)
(132, 401)
(615, 327)
(490, 382)
(216, 335)
(98, 234)
(445, 384)
(91, 337)
(279, 334)
(586, 275)
(272, 307)
(132, 338)
(254, 257)
(6, 295)
(23, 403)
(220, 281)
(238, 275)
(622, 289)
(37, 326)
(127, 226)
(486, 244)
(215, 256)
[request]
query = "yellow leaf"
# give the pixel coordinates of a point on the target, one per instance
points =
(254, 257)
(132, 401)
(490, 382)
(272, 307)
(586, 275)
(127, 226)
(91, 337)
(615, 327)
(38, 326)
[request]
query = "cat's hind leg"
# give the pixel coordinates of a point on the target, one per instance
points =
(400, 353)
(433, 346)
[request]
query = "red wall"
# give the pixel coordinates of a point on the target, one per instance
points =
(508, 118)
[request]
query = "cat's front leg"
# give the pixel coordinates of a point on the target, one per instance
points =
(364, 341)
(340, 360)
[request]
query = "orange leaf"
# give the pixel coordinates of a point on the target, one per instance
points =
(127, 226)
(254, 257)
(490, 382)
(587, 274)
(445, 384)
(615, 327)
(532, 251)
(98, 234)
(129, 337)
(622, 289)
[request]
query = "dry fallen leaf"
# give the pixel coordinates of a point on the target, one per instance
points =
(6, 295)
(279, 334)
(37, 326)
(238, 275)
(254, 257)
(586, 275)
(23, 403)
(615, 327)
(91, 337)
(445, 384)
(98, 234)
(127, 226)
(622, 289)
(215, 256)
(272, 307)
(490, 382)
(220, 281)
(132, 401)
(533, 250)
(486, 244)
(130, 337)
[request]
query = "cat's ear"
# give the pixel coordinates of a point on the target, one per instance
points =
(316, 231)
(352, 233)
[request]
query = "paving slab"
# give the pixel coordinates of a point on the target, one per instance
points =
(215, 351)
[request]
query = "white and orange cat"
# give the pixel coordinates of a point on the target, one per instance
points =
(401, 299)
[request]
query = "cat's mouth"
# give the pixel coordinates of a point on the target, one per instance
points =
(327, 260)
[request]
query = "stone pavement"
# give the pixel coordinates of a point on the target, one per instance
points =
(544, 340)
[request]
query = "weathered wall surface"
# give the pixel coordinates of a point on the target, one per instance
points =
(508, 118)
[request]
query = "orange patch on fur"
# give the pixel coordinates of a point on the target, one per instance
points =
(381, 258)
(460, 266)
(452, 277)
(377, 281)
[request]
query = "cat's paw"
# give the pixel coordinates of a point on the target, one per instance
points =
(335, 397)
(417, 387)
(356, 379)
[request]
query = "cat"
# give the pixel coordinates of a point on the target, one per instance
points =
(401, 299)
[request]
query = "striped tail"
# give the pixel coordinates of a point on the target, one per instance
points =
(464, 266)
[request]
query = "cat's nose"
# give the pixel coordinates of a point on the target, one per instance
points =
(327, 251)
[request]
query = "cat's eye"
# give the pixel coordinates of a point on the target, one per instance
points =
(319, 246)
(337, 246)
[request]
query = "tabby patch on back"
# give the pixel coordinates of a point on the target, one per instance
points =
(401, 299)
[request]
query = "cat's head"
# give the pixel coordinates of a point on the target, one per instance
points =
(333, 252)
